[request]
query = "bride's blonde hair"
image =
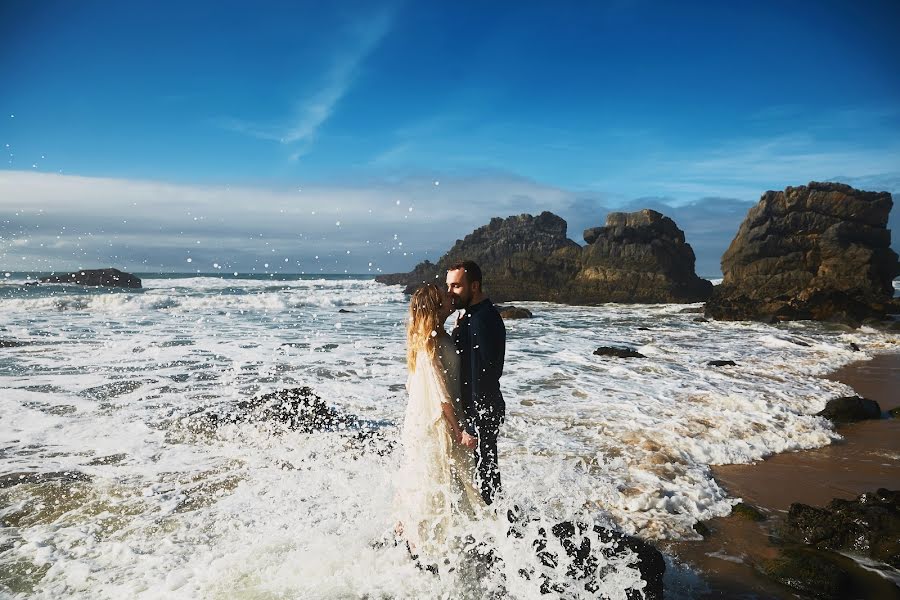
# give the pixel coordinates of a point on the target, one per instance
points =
(424, 322)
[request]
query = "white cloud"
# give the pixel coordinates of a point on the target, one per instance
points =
(312, 112)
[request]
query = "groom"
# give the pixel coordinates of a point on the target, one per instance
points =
(480, 338)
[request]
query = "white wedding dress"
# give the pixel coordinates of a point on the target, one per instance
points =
(435, 484)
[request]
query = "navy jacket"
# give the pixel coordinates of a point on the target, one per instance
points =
(480, 338)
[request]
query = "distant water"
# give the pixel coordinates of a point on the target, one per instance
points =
(139, 506)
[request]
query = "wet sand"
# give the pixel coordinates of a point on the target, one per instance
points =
(866, 459)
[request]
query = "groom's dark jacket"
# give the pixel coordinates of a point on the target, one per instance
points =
(480, 338)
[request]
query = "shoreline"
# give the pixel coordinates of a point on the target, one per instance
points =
(867, 458)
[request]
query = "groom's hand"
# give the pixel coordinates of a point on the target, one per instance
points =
(468, 441)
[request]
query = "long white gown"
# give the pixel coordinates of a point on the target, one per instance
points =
(435, 486)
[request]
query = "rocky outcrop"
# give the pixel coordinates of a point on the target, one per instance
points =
(640, 257)
(868, 526)
(820, 251)
(636, 257)
(522, 258)
(97, 277)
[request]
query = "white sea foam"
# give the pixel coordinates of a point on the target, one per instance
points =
(107, 381)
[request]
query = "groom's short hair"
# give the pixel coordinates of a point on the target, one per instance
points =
(470, 268)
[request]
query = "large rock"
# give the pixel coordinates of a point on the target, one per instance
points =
(636, 257)
(820, 252)
(640, 257)
(868, 526)
(97, 277)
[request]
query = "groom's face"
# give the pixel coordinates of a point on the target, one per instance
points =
(459, 289)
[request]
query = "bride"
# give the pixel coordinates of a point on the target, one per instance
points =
(436, 481)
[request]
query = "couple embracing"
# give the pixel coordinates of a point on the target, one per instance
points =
(454, 411)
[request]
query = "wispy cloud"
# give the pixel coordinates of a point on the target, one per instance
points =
(312, 112)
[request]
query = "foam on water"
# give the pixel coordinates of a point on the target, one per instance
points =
(107, 381)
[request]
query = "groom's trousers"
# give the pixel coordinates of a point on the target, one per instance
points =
(488, 469)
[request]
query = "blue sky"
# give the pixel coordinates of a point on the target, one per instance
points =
(353, 107)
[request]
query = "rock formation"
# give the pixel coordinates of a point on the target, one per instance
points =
(97, 277)
(820, 251)
(640, 257)
(636, 257)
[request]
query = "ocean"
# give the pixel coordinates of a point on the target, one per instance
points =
(107, 491)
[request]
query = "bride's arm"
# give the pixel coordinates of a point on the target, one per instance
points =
(450, 416)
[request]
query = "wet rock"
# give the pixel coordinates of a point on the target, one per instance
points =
(30, 477)
(96, 277)
(810, 573)
(819, 252)
(702, 528)
(721, 363)
(850, 409)
(345, 311)
(636, 257)
(514, 312)
(700, 320)
(854, 347)
(590, 557)
(618, 352)
(297, 409)
(747, 512)
(12, 344)
(895, 412)
(868, 526)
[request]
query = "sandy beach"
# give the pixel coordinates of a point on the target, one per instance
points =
(864, 460)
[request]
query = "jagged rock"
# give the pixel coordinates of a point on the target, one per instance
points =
(618, 352)
(637, 257)
(747, 512)
(640, 257)
(819, 252)
(868, 526)
(849, 409)
(522, 257)
(514, 312)
(584, 546)
(721, 363)
(810, 572)
(298, 409)
(854, 347)
(97, 277)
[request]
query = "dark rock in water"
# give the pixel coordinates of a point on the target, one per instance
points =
(691, 310)
(721, 363)
(584, 546)
(344, 310)
(514, 312)
(747, 512)
(618, 352)
(868, 526)
(819, 252)
(810, 572)
(12, 344)
(702, 528)
(700, 320)
(637, 257)
(297, 409)
(895, 412)
(854, 347)
(97, 277)
(849, 409)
